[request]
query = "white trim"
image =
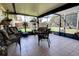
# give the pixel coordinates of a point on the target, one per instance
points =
(77, 20)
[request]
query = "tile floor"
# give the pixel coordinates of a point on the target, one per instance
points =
(60, 46)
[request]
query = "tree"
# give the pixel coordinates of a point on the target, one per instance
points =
(25, 24)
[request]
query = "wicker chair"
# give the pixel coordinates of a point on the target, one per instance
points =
(43, 33)
(15, 31)
(3, 47)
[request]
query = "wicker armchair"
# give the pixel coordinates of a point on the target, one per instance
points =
(3, 47)
(43, 33)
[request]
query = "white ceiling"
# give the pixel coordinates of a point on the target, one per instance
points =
(35, 9)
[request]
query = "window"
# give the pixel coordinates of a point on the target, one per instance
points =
(54, 23)
(71, 23)
(43, 22)
(25, 19)
(2, 15)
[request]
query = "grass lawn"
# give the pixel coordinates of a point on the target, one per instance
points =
(27, 30)
(56, 29)
(71, 31)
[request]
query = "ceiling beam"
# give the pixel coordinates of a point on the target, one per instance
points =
(19, 14)
(14, 8)
(64, 7)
